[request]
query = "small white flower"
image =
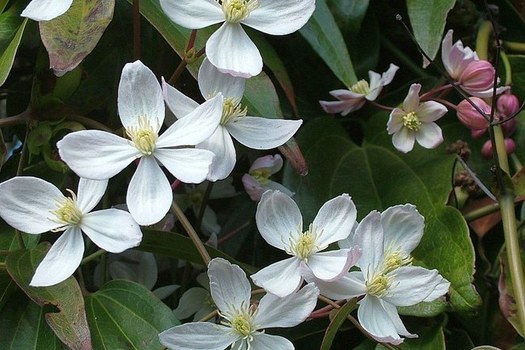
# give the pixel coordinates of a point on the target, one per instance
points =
(353, 99)
(229, 48)
(253, 132)
(415, 122)
(34, 206)
(45, 10)
(243, 323)
(99, 155)
(387, 279)
(257, 181)
(281, 225)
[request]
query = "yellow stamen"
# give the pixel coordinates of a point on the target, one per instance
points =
(232, 109)
(361, 87)
(378, 285)
(411, 121)
(67, 212)
(144, 136)
(306, 244)
(236, 11)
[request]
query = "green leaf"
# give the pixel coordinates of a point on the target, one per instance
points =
(71, 37)
(23, 326)
(69, 322)
(336, 323)
(428, 18)
(377, 177)
(326, 39)
(126, 315)
(12, 27)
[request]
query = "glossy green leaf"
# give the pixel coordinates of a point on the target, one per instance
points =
(378, 177)
(12, 27)
(336, 323)
(428, 18)
(326, 39)
(71, 37)
(69, 321)
(23, 326)
(126, 315)
(349, 14)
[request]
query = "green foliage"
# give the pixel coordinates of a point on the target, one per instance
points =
(12, 28)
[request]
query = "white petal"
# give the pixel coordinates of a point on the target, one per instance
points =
(404, 140)
(381, 320)
(262, 133)
(395, 121)
(61, 260)
(179, 104)
(332, 264)
(413, 284)
(411, 102)
(193, 14)
(402, 228)
(430, 111)
(369, 236)
(212, 81)
(27, 203)
(348, 286)
(273, 163)
(288, 311)
(221, 144)
(429, 135)
(263, 341)
(89, 193)
(388, 76)
(198, 335)
(113, 230)
(149, 193)
(446, 47)
(280, 17)
(344, 107)
(335, 220)
(140, 96)
(96, 154)
(45, 10)
(233, 52)
(278, 219)
(195, 127)
(189, 165)
(229, 286)
(281, 278)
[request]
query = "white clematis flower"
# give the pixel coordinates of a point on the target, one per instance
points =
(46, 10)
(34, 206)
(257, 181)
(97, 154)
(281, 225)
(353, 99)
(229, 48)
(243, 323)
(387, 279)
(415, 122)
(253, 132)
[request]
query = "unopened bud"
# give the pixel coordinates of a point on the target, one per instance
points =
(470, 117)
(478, 76)
(507, 104)
(486, 150)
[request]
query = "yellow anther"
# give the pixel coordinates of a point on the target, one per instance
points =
(232, 109)
(361, 87)
(378, 285)
(67, 212)
(144, 136)
(411, 121)
(236, 11)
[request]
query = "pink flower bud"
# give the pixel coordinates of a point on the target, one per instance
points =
(486, 150)
(470, 117)
(478, 76)
(510, 126)
(507, 104)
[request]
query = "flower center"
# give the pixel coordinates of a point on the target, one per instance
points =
(232, 109)
(144, 136)
(411, 121)
(67, 212)
(262, 175)
(395, 260)
(306, 244)
(236, 11)
(378, 285)
(242, 324)
(361, 87)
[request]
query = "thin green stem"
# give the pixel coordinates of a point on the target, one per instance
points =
(204, 203)
(93, 256)
(481, 212)
(508, 68)
(191, 232)
(516, 162)
(3, 266)
(18, 119)
(514, 46)
(88, 122)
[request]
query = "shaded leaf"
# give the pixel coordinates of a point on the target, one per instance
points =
(326, 39)
(336, 323)
(378, 178)
(126, 315)
(71, 37)
(23, 326)
(12, 27)
(428, 18)
(69, 322)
